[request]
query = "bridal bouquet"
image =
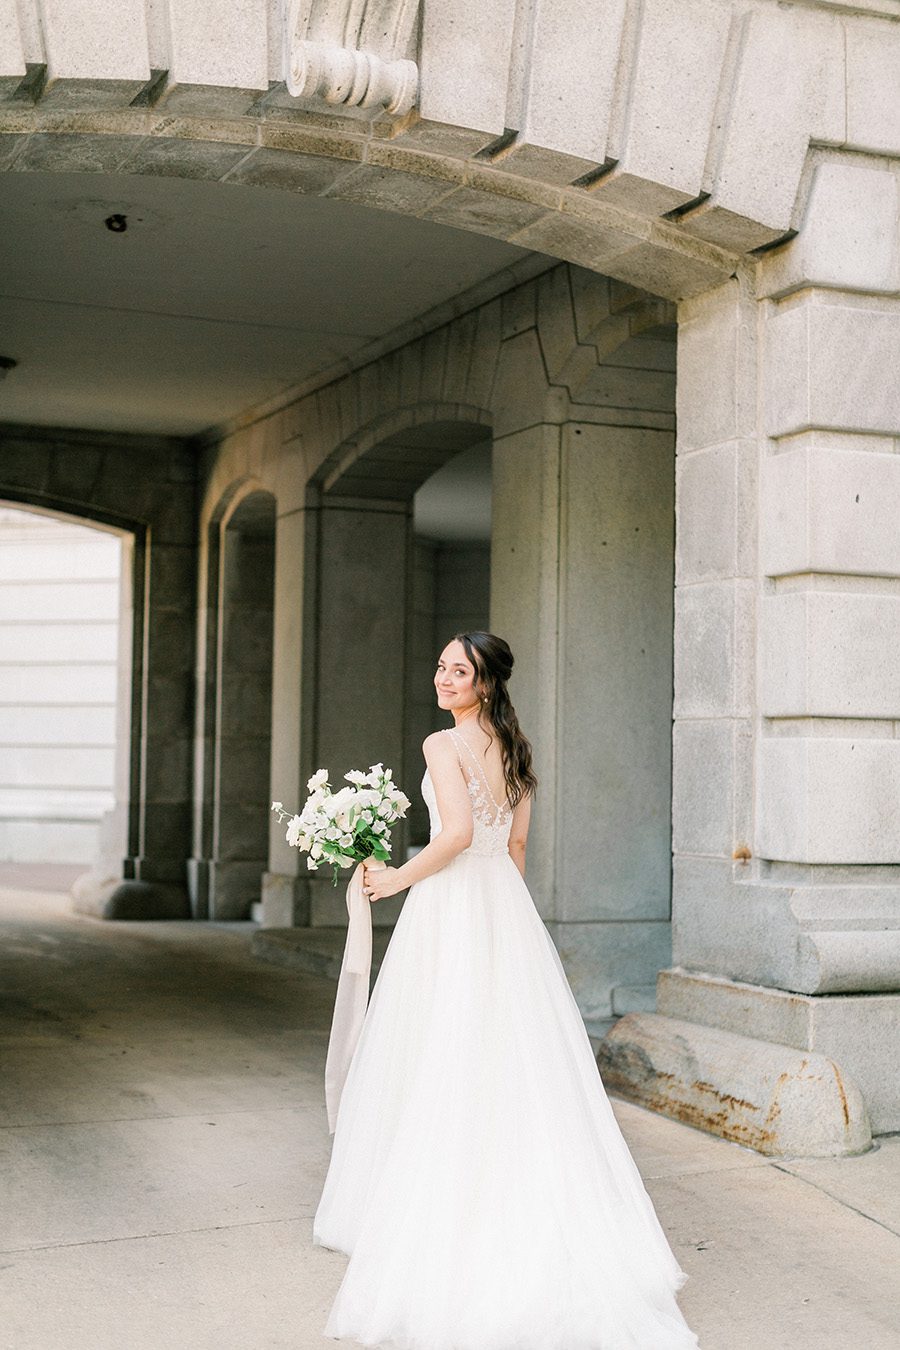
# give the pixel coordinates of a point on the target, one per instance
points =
(346, 827)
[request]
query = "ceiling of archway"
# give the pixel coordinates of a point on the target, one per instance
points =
(214, 298)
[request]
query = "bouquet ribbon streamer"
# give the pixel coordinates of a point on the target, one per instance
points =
(352, 995)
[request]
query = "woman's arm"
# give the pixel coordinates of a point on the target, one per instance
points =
(455, 810)
(518, 833)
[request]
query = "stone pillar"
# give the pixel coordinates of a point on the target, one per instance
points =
(780, 1019)
(285, 891)
(162, 806)
(582, 589)
(243, 713)
(346, 563)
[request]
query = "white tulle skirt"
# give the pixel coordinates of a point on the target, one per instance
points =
(479, 1181)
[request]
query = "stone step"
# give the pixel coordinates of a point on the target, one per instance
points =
(316, 951)
(629, 998)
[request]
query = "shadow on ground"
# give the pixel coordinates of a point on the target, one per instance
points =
(164, 1142)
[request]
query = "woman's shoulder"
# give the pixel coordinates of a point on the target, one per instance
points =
(438, 742)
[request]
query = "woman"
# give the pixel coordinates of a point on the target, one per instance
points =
(478, 1178)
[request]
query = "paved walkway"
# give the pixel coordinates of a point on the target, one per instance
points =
(164, 1141)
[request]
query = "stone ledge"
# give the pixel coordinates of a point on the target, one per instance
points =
(315, 951)
(773, 1098)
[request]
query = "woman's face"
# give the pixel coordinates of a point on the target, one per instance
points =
(454, 679)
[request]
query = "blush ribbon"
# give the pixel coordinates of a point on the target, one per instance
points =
(352, 996)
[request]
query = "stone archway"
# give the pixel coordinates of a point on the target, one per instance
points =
(355, 535)
(90, 475)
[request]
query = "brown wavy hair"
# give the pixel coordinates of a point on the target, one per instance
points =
(493, 662)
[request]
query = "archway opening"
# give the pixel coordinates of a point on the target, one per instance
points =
(450, 592)
(243, 740)
(382, 568)
(65, 697)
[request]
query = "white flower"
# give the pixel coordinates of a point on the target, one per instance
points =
(318, 780)
(367, 816)
(316, 850)
(332, 833)
(355, 776)
(379, 827)
(277, 806)
(292, 834)
(346, 841)
(311, 864)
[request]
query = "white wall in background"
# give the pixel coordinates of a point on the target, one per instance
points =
(59, 614)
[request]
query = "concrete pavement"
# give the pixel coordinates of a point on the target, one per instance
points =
(163, 1141)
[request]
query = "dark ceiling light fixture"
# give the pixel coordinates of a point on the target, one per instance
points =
(117, 223)
(6, 365)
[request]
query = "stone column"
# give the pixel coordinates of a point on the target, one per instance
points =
(243, 715)
(582, 589)
(781, 1015)
(285, 892)
(343, 574)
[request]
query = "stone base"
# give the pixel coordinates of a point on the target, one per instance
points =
(315, 951)
(860, 1032)
(773, 1098)
(135, 900)
(285, 900)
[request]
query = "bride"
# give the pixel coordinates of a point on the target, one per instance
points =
(478, 1180)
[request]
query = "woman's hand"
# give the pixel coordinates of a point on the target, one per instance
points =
(380, 882)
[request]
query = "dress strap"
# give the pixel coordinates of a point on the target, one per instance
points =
(459, 739)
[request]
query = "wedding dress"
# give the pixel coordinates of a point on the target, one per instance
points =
(478, 1180)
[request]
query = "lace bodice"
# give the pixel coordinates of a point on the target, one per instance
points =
(491, 819)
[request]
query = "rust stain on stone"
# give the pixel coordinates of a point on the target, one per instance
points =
(845, 1106)
(701, 1086)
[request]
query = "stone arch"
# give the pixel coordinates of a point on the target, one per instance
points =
(90, 475)
(346, 163)
(57, 495)
(235, 707)
(397, 452)
(362, 499)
